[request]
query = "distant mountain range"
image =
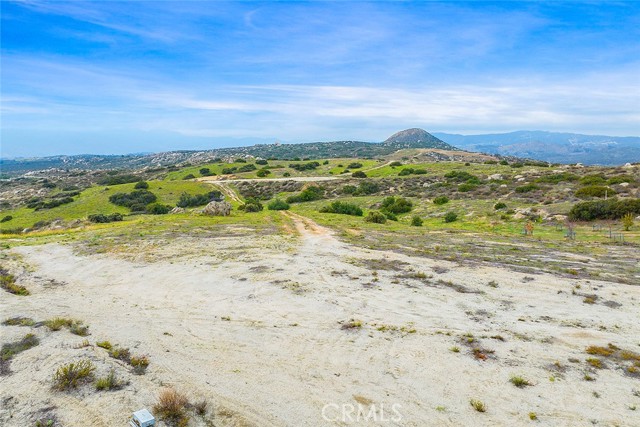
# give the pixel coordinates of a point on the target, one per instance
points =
(410, 138)
(548, 146)
(552, 147)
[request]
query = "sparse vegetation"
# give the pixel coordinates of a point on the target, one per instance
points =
(109, 382)
(478, 405)
(172, 406)
(72, 375)
(19, 321)
(519, 381)
(8, 283)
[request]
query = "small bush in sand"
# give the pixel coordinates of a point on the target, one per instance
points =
(78, 328)
(416, 221)
(58, 323)
(478, 405)
(120, 353)
(8, 283)
(519, 381)
(110, 382)
(600, 351)
(533, 416)
(172, 407)
(19, 321)
(73, 374)
(455, 349)
(595, 362)
(139, 363)
(352, 324)
(104, 344)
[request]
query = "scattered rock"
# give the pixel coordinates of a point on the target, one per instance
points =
(217, 209)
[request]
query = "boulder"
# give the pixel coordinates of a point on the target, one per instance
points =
(217, 209)
(177, 210)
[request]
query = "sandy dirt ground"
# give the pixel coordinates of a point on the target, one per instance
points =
(305, 330)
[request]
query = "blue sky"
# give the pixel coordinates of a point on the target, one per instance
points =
(120, 77)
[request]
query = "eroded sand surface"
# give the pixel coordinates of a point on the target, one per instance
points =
(253, 325)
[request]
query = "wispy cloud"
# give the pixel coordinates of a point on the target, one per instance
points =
(318, 71)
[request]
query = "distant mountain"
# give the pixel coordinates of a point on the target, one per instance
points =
(553, 146)
(416, 138)
(410, 138)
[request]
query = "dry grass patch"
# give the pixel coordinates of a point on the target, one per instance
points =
(8, 283)
(172, 407)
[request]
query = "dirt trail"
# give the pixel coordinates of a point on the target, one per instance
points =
(226, 190)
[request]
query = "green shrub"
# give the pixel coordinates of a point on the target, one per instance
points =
(6, 218)
(120, 353)
(396, 205)
(395, 164)
(376, 217)
(205, 171)
(527, 188)
(462, 176)
(519, 381)
(157, 209)
(416, 221)
(103, 219)
(349, 189)
(136, 197)
(309, 194)
(604, 209)
(620, 179)
(278, 205)
(110, 382)
(58, 323)
(504, 162)
(118, 179)
(251, 205)
(594, 191)
(354, 165)
(247, 168)
(558, 177)
(240, 160)
(229, 171)
(141, 185)
(366, 188)
(593, 179)
(286, 174)
(73, 374)
(189, 176)
(450, 217)
(104, 344)
(359, 174)
(300, 167)
(405, 172)
(139, 364)
(343, 208)
(440, 200)
(500, 205)
(186, 200)
(261, 162)
(465, 187)
(263, 172)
